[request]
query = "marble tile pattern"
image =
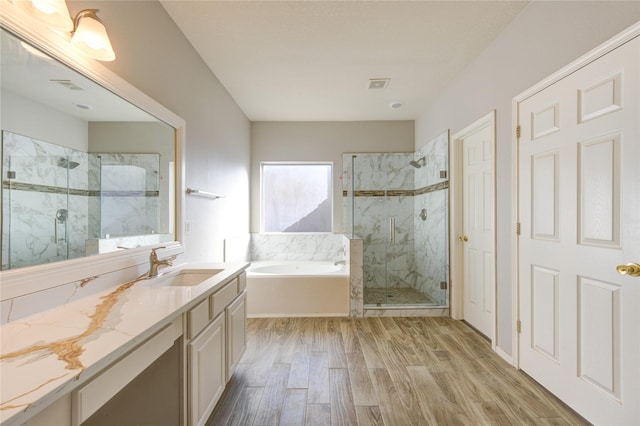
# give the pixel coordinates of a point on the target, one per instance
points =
(311, 246)
(29, 224)
(130, 199)
(52, 352)
(379, 186)
(355, 256)
(43, 185)
(396, 296)
(431, 237)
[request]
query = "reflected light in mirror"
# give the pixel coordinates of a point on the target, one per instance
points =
(53, 13)
(90, 36)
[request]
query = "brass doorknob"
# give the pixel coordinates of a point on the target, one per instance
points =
(464, 238)
(631, 269)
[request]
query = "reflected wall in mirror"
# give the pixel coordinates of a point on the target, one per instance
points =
(83, 171)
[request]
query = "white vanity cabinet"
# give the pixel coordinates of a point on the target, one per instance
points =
(216, 329)
(236, 316)
(206, 370)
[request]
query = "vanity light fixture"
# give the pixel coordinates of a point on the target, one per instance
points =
(53, 13)
(90, 36)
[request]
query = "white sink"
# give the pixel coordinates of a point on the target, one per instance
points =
(185, 277)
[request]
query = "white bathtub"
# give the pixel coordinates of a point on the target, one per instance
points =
(297, 289)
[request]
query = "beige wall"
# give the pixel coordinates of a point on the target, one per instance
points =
(322, 141)
(543, 38)
(153, 55)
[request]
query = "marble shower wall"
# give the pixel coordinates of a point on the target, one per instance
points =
(129, 190)
(42, 187)
(48, 179)
(379, 186)
(431, 238)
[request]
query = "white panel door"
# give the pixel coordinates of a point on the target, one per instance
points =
(478, 229)
(579, 209)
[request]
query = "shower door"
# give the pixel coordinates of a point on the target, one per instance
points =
(383, 218)
(400, 212)
(35, 226)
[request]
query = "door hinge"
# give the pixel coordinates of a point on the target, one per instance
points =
(518, 326)
(518, 228)
(518, 131)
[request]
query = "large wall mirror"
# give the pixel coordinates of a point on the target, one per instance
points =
(84, 170)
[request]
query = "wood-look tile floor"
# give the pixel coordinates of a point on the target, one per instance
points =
(379, 371)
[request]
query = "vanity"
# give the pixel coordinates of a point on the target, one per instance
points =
(87, 337)
(71, 365)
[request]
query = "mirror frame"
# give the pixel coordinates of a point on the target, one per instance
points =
(18, 282)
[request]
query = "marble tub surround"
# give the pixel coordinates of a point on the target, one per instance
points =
(316, 247)
(49, 354)
(307, 246)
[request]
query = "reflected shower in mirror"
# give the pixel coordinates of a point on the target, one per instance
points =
(84, 172)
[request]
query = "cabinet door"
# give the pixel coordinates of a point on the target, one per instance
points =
(207, 378)
(236, 332)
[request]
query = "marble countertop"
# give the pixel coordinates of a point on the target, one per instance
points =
(47, 355)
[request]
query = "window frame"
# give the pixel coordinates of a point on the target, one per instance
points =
(295, 163)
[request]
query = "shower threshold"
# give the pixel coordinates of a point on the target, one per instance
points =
(407, 306)
(380, 296)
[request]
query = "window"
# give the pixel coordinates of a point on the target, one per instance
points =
(296, 197)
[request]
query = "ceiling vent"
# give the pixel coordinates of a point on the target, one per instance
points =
(378, 83)
(68, 84)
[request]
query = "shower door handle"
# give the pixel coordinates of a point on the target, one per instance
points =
(392, 229)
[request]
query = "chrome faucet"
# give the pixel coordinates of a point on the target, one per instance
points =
(155, 263)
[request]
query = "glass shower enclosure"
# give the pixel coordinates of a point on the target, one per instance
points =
(56, 199)
(397, 203)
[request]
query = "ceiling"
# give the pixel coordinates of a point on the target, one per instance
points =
(32, 74)
(312, 60)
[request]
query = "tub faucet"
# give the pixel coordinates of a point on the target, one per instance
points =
(155, 263)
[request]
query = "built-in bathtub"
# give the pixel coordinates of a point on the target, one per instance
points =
(297, 289)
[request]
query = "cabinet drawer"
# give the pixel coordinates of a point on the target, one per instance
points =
(197, 318)
(220, 299)
(242, 282)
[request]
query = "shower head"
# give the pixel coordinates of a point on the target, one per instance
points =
(65, 163)
(418, 163)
